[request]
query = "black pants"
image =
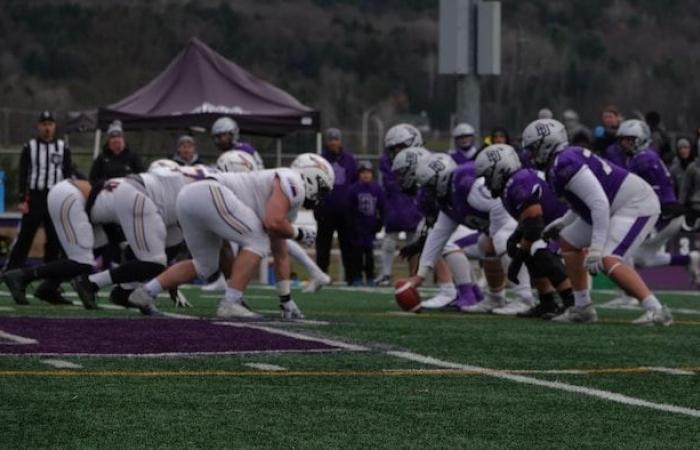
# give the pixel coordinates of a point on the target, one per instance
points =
(324, 241)
(38, 215)
(362, 261)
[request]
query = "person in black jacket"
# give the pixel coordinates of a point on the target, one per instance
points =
(116, 160)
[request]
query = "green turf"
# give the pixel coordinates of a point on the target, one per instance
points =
(369, 399)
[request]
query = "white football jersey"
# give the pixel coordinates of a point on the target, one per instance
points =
(254, 188)
(163, 185)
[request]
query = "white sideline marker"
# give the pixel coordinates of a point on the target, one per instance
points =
(265, 367)
(17, 339)
(61, 364)
(598, 393)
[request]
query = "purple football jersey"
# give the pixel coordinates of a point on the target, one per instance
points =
(366, 206)
(568, 162)
(525, 188)
(400, 210)
(615, 155)
(456, 206)
(649, 166)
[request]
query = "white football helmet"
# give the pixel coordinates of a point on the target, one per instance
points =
(543, 138)
(317, 174)
(637, 129)
(225, 125)
(405, 164)
(496, 163)
(463, 129)
(402, 136)
(236, 161)
(434, 173)
(163, 164)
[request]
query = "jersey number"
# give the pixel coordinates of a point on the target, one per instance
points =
(606, 167)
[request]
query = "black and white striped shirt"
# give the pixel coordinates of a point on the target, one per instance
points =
(42, 165)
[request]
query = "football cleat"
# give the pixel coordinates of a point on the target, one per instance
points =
(86, 291)
(290, 311)
(383, 280)
(577, 314)
(316, 283)
(443, 298)
(14, 280)
(513, 308)
(235, 310)
(141, 298)
(485, 306)
(50, 293)
(120, 296)
(150, 311)
(655, 317)
(540, 310)
(217, 285)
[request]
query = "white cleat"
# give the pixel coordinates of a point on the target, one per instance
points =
(316, 283)
(517, 306)
(624, 301)
(443, 298)
(487, 305)
(577, 314)
(694, 267)
(290, 311)
(141, 298)
(655, 317)
(235, 310)
(218, 285)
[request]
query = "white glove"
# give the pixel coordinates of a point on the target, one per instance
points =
(593, 261)
(305, 235)
(552, 230)
(179, 299)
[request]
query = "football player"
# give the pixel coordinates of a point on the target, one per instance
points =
(612, 212)
(255, 210)
(528, 199)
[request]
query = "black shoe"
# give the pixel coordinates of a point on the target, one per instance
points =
(120, 296)
(14, 279)
(48, 291)
(540, 310)
(86, 291)
(559, 311)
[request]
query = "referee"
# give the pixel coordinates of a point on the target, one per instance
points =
(44, 162)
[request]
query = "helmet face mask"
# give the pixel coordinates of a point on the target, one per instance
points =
(404, 167)
(496, 163)
(543, 138)
(317, 175)
(225, 132)
(401, 136)
(633, 135)
(434, 174)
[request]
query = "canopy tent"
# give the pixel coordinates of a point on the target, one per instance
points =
(198, 87)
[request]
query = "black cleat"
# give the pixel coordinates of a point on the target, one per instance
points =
(540, 311)
(559, 311)
(86, 291)
(120, 296)
(14, 279)
(49, 293)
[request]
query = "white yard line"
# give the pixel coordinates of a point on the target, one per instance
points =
(265, 367)
(7, 308)
(61, 364)
(303, 337)
(17, 339)
(670, 371)
(597, 393)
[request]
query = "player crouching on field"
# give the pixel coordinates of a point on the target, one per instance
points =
(255, 210)
(529, 200)
(612, 212)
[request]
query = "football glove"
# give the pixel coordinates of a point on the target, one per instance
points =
(306, 236)
(179, 299)
(593, 261)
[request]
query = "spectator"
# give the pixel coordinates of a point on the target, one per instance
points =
(186, 151)
(545, 113)
(659, 138)
(366, 209)
(605, 134)
(116, 160)
(579, 134)
(331, 214)
(690, 191)
(684, 156)
(44, 162)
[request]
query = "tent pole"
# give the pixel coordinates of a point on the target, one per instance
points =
(318, 143)
(96, 148)
(279, 152)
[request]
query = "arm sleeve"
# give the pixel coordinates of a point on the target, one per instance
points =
(435, 242)
(67, 163)
(587, 188)
(23, 173)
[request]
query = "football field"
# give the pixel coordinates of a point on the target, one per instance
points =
(357, 373)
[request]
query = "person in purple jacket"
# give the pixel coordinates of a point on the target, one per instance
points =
(634, 138)
(612, 212)
(366, 207)
(332, 213)
(528, 199)
(401, 211)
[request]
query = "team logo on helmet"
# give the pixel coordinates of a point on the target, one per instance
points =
(493, 156)
(543, 129)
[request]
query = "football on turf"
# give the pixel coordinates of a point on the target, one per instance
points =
(406, 296)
